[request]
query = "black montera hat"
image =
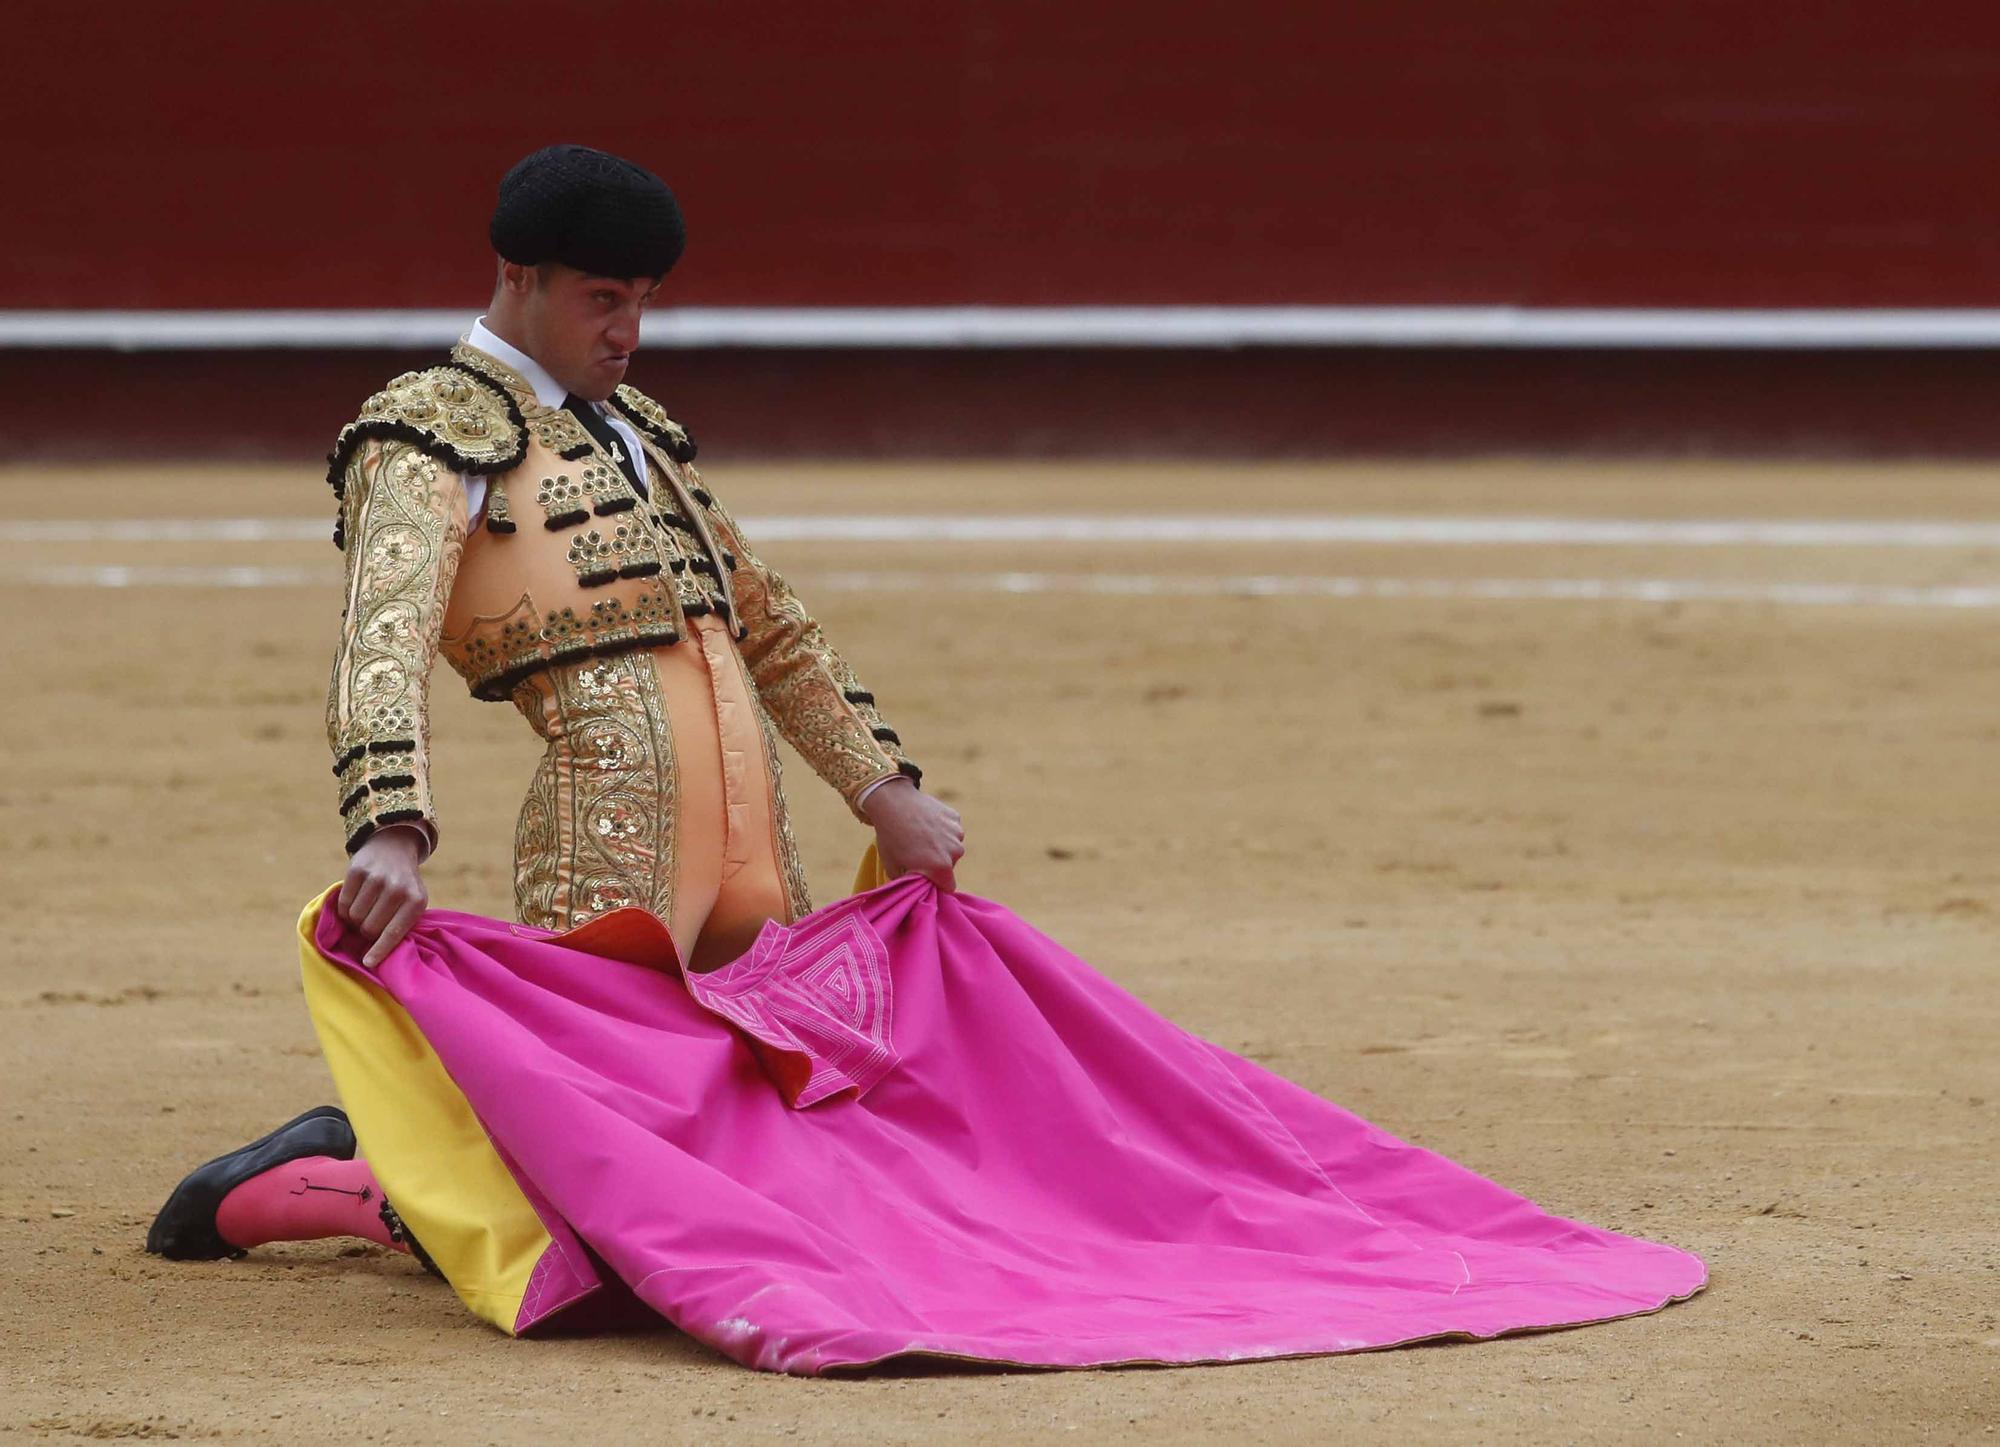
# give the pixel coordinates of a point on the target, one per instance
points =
(588, 209)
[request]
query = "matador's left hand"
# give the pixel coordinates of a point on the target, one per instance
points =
(915, 832)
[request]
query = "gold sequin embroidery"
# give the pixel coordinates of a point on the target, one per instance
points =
(561, 498)
(557, 430)
(628, 552)
(792, 870)
(405, 518)
(607, 487)
(443, 411)
(652, 418)
(596, 831)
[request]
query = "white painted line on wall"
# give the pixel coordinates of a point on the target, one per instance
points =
(1361, 528)
(960, 327)
(1147, 585)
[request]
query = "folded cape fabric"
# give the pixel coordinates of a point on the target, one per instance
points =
(908, 1123)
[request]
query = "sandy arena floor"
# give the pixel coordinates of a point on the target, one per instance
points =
(1675, 913)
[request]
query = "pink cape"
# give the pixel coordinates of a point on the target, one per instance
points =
(910, 1123)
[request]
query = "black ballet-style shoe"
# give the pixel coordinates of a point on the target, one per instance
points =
(185, 1228)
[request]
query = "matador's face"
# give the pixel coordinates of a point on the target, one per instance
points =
(582, 328)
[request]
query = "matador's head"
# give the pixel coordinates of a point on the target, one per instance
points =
(584, 238)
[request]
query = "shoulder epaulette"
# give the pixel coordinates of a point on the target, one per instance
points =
(652, 419)
(449, 412)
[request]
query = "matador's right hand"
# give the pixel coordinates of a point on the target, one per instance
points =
(916, 833)
(383, 894)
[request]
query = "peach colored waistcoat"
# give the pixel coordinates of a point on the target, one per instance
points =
(569, 561)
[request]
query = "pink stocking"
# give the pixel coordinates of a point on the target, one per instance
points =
(305, 1200)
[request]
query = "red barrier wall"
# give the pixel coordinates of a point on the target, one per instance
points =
(1551, 152)
(1283, 402)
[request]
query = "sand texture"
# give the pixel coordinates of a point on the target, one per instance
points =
(1677, 916)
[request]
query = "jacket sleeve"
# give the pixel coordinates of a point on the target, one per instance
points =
(811, 694)
(404, 517)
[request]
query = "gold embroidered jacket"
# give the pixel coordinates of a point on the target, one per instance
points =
(569, 561)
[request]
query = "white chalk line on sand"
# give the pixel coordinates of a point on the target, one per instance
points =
(1145, 585)
(1275, 528)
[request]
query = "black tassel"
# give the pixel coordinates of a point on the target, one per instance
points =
(556, 522)
(910, 771)
(612, 505)
(859, 695)
(887, 736)
(393, 746)
(640, 570)
(597, 577)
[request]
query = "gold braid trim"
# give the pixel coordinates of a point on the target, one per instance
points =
(406, 514)
(792, 869)
(810, 692)
(596, 832)
(463, 419)
(652, 419)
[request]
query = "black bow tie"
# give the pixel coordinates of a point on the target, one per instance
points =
(606, 437)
